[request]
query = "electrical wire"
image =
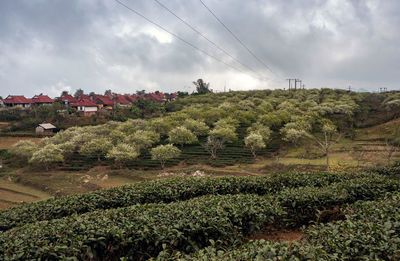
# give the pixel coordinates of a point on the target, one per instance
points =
(234, 36)
(178, 37)
(205, 37)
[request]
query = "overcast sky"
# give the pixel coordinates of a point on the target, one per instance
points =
(53, 45)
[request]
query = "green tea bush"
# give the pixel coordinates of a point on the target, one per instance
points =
(167, 190)
(141, 231)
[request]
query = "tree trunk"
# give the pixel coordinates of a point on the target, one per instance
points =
(327, 161)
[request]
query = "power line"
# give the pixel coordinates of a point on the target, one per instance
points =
(178, 37)
(205, 37)
(234, 36)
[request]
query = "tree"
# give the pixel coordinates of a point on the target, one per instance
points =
(181, 136)
(199, 128)
(202, 87)
(212, 146)
(96, 147)
(78, 93)
(358, 154)
(255, 142)
(390, 148)
(163, 153)
(47, 156)
(143, 139)
(122, 153)
(108, 92)
(24, 149)
(225, 134)
(325, 143)
(264, 131)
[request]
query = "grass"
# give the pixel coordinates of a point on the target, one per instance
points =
(12, 194)
(8, 142)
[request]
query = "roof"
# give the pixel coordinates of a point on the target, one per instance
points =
(131, 98)
(42, 99)
(103, 100)
(16, 99)
(68, 98)
(84, 103)
(121, 99)
(83, 97)
(47, 126)
(155, 96)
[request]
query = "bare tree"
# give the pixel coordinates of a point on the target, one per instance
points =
(212, 145)
(325, 143)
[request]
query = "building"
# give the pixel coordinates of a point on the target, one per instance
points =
(67, 99)
(2, 103)
(85, 106)
(45, 128)
(121, 100)
(103, 102)
(40, 100)
(17, 101)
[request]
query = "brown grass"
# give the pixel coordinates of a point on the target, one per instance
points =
(8, 142)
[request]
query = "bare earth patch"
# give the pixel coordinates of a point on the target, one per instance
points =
(277, 235)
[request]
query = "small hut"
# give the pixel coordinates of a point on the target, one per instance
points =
(45, 128)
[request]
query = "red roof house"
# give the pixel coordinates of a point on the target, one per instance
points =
(121, 100)
(42, 100)
(67, 99)
(17, 100)
(102, 100)
(86, 106)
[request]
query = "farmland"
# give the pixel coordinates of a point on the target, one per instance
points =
(156, 188)
(158, 218)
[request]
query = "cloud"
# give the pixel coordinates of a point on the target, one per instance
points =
(47, 46)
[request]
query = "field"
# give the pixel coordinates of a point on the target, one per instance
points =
(230, 218)
(8, 142)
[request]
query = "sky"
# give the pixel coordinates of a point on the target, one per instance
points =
(48, 46)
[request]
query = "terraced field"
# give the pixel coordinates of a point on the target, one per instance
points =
(205, 218)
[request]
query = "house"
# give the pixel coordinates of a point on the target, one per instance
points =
(171, 96)
(157, 97)
(85, 106)
(103, 102)
(2, 103)
(131, 98)
(67, 99)
(17, 101)
(40, 100)
(45, 128)
(121, 100)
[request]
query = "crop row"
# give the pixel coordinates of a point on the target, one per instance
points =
(140, 231)
(157, 191)
(371, 231)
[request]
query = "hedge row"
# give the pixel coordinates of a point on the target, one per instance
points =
(371, 231)
(167, 190)
(141, 231)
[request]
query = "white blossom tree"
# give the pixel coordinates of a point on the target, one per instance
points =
(162, 153)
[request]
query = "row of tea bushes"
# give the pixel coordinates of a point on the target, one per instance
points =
(167, 190)
(371, 231)
(141, 231)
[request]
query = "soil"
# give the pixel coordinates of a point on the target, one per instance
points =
(277, 235)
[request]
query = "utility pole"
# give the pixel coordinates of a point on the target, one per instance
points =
(295, 83)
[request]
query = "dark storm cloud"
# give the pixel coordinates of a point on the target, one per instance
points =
(47, 46)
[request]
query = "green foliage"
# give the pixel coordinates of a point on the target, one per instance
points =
(163, 153)
(255, 142)
(141, 231)
(181, 136)
(23, 149)
(96, 147)
(122, 153)
(47, 156)
(199, 128)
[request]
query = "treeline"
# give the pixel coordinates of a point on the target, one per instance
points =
(215, 121)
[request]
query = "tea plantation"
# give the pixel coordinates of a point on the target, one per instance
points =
(210, 219)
